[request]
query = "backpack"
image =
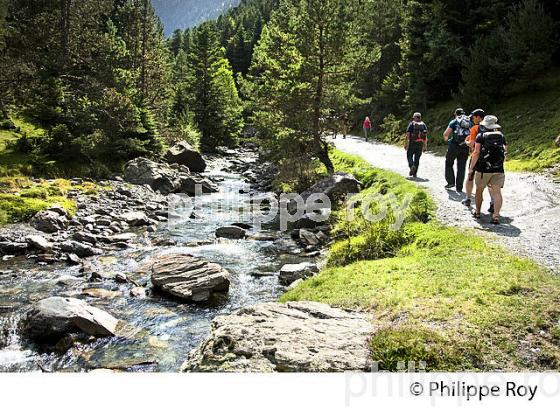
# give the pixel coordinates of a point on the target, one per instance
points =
(462, 131)
(493, 152)
(419, 131)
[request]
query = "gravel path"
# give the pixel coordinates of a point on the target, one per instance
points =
(531, 213)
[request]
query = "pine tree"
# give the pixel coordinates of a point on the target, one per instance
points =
(216, 104)
(299, 69)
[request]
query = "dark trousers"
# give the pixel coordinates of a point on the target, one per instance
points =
(461, 155)
(414, 153)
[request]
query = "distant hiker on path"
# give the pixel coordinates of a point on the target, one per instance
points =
(488, 163)
(416, 143)
(456, 135)
(367, 127)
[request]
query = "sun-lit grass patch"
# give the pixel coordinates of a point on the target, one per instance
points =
(446, 297)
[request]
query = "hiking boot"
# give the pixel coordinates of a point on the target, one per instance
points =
(491, 209)
(450, 186)
(467, 203)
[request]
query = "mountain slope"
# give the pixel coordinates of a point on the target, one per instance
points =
(182, 14)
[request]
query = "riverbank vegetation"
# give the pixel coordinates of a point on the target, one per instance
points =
(444, 296)
(22, 197)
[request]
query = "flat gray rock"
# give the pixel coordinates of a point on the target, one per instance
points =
(55, 317)
(189, 278)
(291, 337)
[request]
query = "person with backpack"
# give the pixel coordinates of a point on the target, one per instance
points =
(476, 118)
(416, 143)
(487, 165)
(456, 136)
(367, 127)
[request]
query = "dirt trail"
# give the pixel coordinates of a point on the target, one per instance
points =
(531, 213)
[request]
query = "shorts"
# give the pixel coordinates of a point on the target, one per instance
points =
(494, 179)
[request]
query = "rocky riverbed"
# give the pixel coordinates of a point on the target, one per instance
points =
(117, 286)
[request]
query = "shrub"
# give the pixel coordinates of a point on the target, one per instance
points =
(392, 128)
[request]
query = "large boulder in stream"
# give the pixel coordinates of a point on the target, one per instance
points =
(231, 232)
(292, 337)
(161, 177)
(184, 154)
(189, 278)
(55, 317)
(49, 221)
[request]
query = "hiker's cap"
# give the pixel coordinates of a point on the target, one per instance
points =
(479, 112)
(490, 122)
(459, 111)
(417, 115)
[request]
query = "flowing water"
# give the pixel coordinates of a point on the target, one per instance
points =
(159, 332)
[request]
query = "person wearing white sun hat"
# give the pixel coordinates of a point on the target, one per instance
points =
(488, 163)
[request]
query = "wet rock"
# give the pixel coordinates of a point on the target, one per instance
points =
(101, 293)
(82, 236)
(292, 337)
(80, 249)
(184, 154)
(121, 278)
(137, 218)
(263, 237)
(13, 248)
(291, 273)
(47, 258)
(189, 278)
(67, 280)
(243, 225)
(231, 232)
(138, 292)
(123, 237)
(73, 259)
(193, 185)
(160, 177)
(58, 209)
(55, 317)
(49, 222)
(38, 242)
(308, 238)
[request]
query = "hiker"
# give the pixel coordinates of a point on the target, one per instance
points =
(416, 143)
(476, 118)
(488, 165)
(367, 127)
(456, 135)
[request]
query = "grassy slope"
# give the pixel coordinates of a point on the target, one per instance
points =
(20, 196)
(531, 122)
(447, 297)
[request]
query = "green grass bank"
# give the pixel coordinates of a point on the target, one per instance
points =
(440, 295)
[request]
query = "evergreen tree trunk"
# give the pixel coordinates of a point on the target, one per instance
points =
(321, 147)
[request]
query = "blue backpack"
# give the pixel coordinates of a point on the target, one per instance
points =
(462, 131)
